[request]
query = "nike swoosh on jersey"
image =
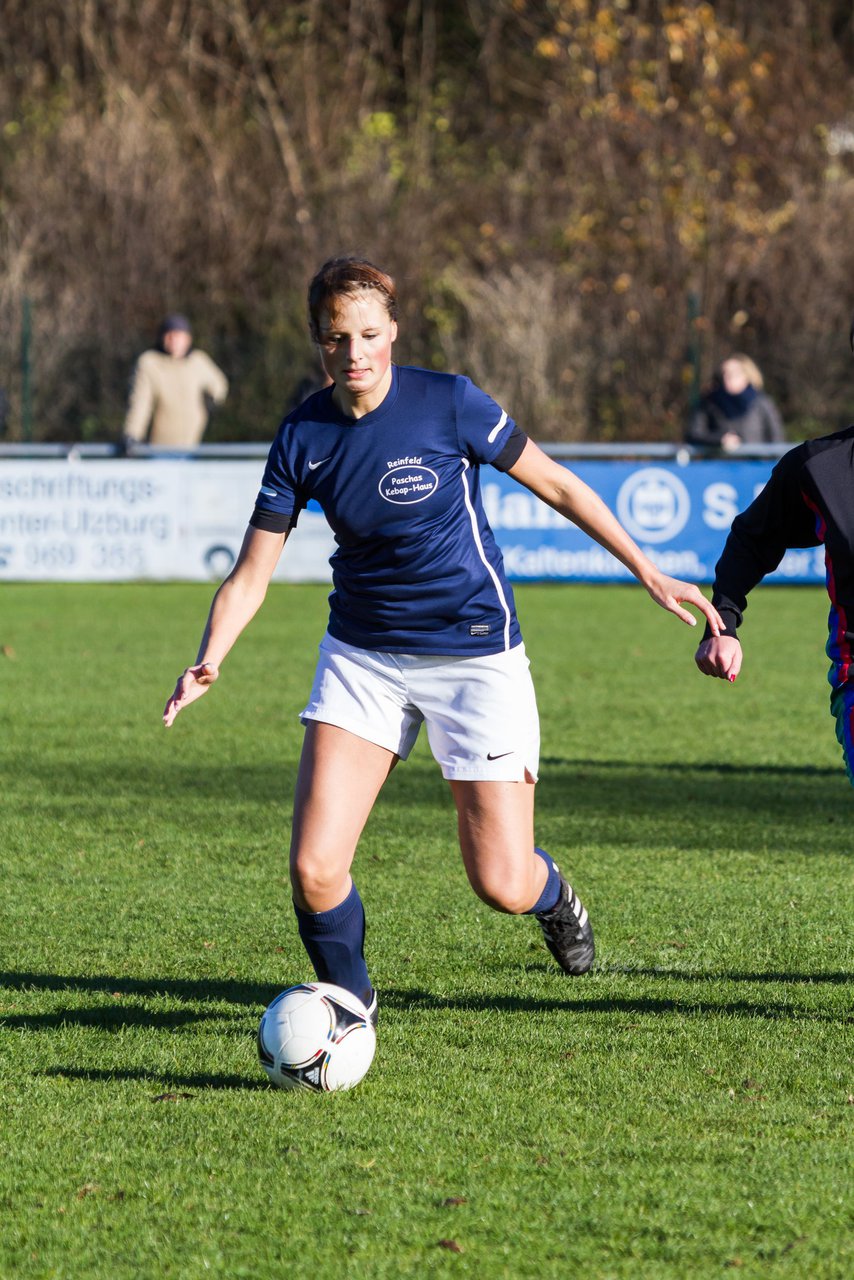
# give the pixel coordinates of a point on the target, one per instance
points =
(268, 493)
(495, 430)
(312, 466)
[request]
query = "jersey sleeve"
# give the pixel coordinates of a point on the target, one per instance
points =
(279, 501)
(485, 432)
(778, 518)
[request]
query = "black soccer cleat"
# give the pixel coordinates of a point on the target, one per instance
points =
(568, 932)
(374, 1010)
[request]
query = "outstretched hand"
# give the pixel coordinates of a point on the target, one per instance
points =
(719, 656)
(191, 685)
(670, 593)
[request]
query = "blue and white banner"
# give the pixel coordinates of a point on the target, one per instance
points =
(678, 515)
(162, 519)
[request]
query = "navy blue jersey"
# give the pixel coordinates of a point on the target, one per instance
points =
(417, 569)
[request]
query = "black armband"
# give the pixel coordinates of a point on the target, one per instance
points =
(512, 451)
(272, 521)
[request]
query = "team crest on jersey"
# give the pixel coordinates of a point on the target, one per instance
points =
(408, 480)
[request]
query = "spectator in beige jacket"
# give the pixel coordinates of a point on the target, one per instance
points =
(174, 388)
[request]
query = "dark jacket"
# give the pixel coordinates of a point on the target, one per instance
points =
(760, 423)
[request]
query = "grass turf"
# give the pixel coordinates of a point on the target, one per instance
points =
(684, 1110)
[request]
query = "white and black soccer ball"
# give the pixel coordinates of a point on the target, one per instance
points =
(316, 1036)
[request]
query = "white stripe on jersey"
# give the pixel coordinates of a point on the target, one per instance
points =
(495, 430)
(496, 581)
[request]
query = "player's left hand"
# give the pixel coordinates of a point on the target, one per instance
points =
(671, 594)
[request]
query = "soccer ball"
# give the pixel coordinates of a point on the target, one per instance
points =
(316, 1036)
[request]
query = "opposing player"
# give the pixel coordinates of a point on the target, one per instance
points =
(422, 624)
(806, 503)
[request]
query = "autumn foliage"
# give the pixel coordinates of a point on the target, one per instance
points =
(586, 202)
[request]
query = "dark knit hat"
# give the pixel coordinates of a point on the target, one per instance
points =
(175, 321)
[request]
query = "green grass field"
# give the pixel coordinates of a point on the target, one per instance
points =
(683, 1111)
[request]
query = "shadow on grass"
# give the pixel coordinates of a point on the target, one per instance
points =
(117, 1016)
(685, 975)
(657, 787)
(255, 997)
(407, 999)
(630, 797)
(165, 1080)
(698, 767)
(791, 809)
(228, 990)
(95, 785)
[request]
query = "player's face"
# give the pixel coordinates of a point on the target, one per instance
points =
(356, 337)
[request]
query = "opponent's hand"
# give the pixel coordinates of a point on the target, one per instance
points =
(720, 656)
(671, 594)
(191, 685)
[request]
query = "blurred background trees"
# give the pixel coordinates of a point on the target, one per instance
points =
(586, 203)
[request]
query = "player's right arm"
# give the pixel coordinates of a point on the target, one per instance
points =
(234, 605)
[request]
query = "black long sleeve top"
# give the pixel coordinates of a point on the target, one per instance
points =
(808, 501)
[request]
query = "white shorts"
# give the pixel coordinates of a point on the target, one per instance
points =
(481, 713)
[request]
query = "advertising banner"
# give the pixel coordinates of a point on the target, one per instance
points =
(678, 515)
(166, 519)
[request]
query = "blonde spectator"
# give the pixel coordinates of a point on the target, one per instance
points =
(735, 410)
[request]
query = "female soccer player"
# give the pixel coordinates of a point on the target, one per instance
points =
(422, 623)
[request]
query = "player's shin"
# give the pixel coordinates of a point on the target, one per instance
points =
(335, 942)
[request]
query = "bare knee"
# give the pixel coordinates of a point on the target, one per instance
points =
(512, 897)
(318, 884)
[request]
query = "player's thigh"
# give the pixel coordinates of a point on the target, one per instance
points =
(496, 831)
(340, 776)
